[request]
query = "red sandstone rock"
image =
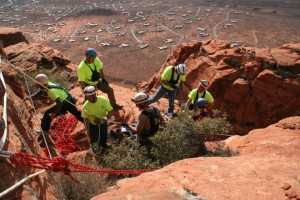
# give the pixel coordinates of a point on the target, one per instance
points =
(11, 36)
(268, 157)
(266, 96)
(291, 193)
(286, 186)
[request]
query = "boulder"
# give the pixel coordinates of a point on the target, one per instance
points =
(11, 36)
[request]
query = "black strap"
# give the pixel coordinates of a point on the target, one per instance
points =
(204, 93)
(151, 116)
(95, 73)
(171, 81)
(197, 95)
(90, 67)
(58, 86)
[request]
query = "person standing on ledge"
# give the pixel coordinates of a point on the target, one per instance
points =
(90, 72)
(170, 80)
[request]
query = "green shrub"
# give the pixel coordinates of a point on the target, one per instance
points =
(283, 73)
(220, 152)
(129, 156)
(179, 139)
(235, 63)
(251, 56)
(215, 126)
(91, 184)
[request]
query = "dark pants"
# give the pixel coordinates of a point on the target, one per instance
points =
(66, 107)
(160, 92)
(109, 91)
(98, 134)
(191, 106)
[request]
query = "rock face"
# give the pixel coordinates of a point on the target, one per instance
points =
(22, 119)
(255, 87)
(244, 85)
(21, 138)
(11, 36)
(35, 56)
(267, 163)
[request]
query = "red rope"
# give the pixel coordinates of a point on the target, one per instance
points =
(59, 164)
(61, 132)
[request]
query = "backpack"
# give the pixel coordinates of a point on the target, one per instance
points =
(152, 115)
(58, 86)
(95, 73)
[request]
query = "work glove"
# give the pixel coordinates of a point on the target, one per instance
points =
(124, 124)
(105, 82)
(173, 86)
(97, 120)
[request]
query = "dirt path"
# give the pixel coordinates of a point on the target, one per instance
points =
(216, 25)
(254, 35)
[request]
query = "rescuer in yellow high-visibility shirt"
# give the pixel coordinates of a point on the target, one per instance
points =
(90, 72)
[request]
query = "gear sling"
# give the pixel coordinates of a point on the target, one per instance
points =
(171, 81)
(95, 73)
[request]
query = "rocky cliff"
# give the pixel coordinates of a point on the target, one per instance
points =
(246, 86)
(255, 87)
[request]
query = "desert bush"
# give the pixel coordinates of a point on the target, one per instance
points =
(215, 126)
(220, 152)
(191, 195)
(179, 139)
(251, 56)
(91, 184)
(283, 73)
(235, 63)
(129, 156)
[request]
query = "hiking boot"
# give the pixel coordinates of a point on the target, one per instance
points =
(169, 115)
(116, 106)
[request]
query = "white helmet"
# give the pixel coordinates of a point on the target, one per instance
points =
(140, 97)
(89, 90)
(42, 79)
(205, 83)
(181, 69)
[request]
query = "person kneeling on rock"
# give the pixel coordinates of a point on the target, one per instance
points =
(148, 121)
